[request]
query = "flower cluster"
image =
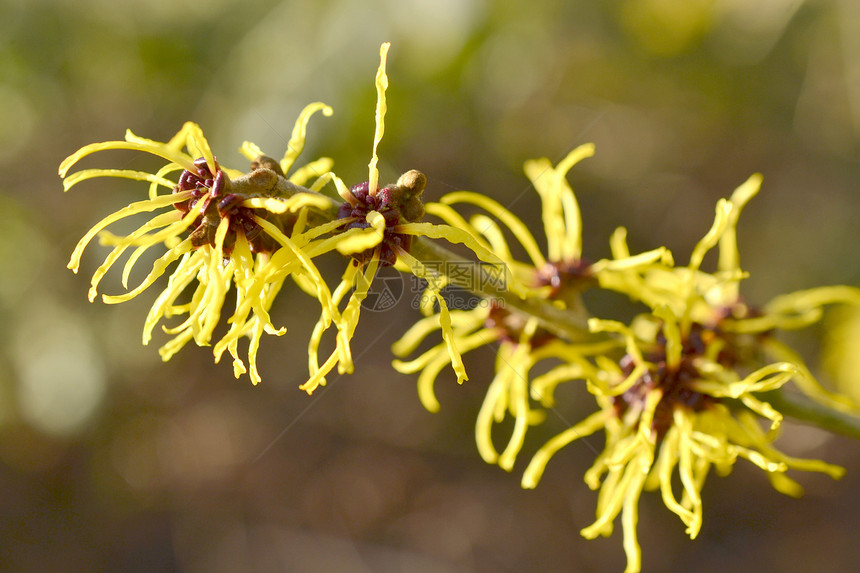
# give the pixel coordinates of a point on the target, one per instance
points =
(679, 390)
(682, 388)
(221, 229)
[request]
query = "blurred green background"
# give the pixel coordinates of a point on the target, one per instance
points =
(113, 461)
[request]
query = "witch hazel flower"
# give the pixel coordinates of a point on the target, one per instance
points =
(218, 229)
(692, 386)
(557, 275)
(378, 226)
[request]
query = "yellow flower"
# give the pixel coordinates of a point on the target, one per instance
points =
(692, 385)
(378, 228)
(560, 276)
(522, 345)
(221, 228)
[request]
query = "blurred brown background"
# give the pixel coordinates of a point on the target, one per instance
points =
(113, 461)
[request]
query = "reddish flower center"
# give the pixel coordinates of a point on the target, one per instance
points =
(219, 203)
(387, 202)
